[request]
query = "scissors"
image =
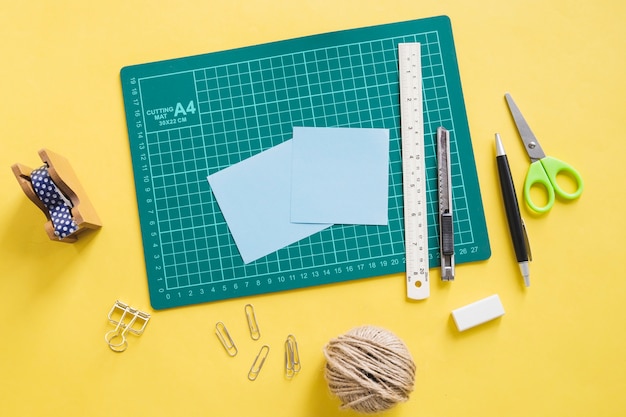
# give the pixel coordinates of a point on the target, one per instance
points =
(543, 170)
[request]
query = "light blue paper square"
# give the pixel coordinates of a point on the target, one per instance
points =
(340, 175)
(254, 196)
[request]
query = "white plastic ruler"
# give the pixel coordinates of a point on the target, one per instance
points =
(413, 171)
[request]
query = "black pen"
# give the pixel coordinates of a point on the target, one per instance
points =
(513, 216)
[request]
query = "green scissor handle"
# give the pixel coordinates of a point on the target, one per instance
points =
(544, 173)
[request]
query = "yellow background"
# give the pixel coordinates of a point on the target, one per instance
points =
(559, 350)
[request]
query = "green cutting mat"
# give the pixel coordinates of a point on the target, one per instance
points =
(190, 117)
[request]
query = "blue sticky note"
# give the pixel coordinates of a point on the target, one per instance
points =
(254, 196)
(340, 175)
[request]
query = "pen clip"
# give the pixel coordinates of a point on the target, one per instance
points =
(526, 240)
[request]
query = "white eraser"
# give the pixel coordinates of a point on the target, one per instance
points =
(478, 312)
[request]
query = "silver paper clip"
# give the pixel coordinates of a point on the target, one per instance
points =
(292, 357)
(253, 325)
(255, 369)
(224, 337)
(130, 320)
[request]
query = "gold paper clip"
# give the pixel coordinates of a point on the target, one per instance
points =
(255, 369)
(224, 337)
(126, 319)
(292, 357)
(255, 333)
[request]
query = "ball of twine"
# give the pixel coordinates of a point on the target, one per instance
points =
(369, 369)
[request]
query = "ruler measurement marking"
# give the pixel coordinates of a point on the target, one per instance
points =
(413, 171)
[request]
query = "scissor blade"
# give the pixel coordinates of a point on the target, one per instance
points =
(531, 144)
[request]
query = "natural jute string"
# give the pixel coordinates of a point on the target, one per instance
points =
(370, 369)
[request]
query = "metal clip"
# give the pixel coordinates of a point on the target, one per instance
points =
(526, 240)
(224, 337)
(131, 320)
(255, 333)
(255, 369)
(292, 357)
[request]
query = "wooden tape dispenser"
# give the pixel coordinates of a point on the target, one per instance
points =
(55, 189)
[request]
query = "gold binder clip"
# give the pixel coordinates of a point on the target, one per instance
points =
(255, 333)
(126, 320)
(292, 357)
(255, 369)
(224, 337)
